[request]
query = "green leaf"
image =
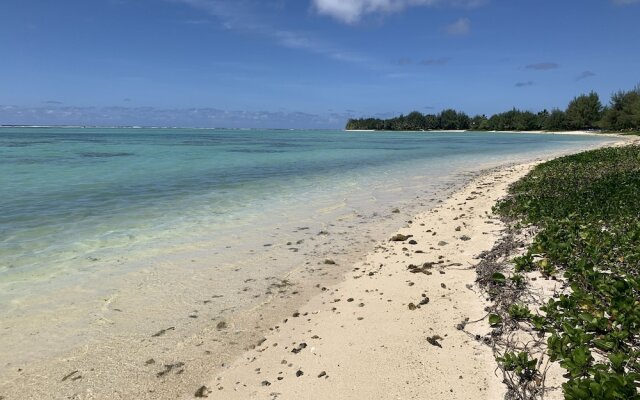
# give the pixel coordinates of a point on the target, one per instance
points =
(605, 345)
(498, 278)
(495, 320)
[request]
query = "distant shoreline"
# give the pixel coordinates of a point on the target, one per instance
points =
(590, 133)
(577, 132)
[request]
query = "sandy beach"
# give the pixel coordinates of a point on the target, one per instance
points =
(380, 325)
(389, 330)
(396, 327)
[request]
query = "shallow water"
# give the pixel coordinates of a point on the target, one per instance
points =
(147, 220)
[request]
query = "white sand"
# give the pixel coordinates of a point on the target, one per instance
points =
(363, 341)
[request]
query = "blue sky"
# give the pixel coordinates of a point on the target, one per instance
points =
(305, 63)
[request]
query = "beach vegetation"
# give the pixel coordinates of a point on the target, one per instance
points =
(524, 263)
(520, 363)
(519, 312)
(584, 112)
(585, 209)
(415, 121)
(556, 120)
(495, 320)
(499, 279)
(623, 113)
(519, 281)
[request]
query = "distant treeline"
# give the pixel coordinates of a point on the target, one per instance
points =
(584, 112)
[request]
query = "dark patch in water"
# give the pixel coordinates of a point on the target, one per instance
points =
(256, 151)
(25, 161)
(93, 154)
(22, 144)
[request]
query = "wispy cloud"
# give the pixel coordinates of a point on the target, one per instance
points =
(459, 28)
(525, 84)
(543, 66)
(435, 61)
(352, 11)
(240, 16)
(585, 75)
(196, 22)
(625, 2)
(397, 75)
(404, 61)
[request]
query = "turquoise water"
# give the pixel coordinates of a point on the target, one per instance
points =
(71, 194)
(109, 235)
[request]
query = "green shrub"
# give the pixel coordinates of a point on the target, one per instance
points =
(587, 209)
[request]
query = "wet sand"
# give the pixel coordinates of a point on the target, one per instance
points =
(391, 328)
(160, 331)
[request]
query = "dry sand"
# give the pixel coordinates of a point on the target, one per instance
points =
(367, 337)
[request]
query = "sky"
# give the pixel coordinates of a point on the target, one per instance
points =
(305, 63)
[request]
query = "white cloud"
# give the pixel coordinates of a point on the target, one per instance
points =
(351, 11)
(240, 16)
(625, 2)
(459, 28)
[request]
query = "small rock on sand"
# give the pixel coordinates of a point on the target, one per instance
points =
(203, 391)
(433, 340)
(221, 325)
(400, 238)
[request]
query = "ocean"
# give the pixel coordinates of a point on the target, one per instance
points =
(147, 222)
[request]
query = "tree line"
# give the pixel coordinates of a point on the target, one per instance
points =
(584, 112)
